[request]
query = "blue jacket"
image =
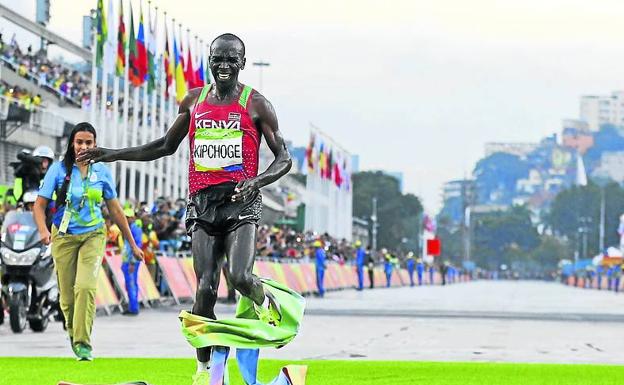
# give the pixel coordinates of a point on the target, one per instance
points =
(320, 258)
(137, 234)
(360, 255)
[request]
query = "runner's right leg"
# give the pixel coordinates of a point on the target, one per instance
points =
(208, 255)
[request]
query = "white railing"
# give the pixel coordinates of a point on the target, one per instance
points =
(41, 120)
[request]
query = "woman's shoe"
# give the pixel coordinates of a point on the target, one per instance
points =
(83, 352)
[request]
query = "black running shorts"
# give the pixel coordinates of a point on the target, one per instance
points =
(212, 210)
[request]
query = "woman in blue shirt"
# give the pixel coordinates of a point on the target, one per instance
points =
(78, 232)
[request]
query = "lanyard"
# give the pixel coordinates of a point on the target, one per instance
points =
(85, 185)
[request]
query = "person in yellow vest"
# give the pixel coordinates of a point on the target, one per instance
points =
(150, 245)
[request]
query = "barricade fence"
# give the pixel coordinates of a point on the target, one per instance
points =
(175, 280)
(601, 283)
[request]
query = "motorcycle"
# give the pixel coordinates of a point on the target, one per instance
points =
(29, 285)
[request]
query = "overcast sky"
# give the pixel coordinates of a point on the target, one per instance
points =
(412, 86)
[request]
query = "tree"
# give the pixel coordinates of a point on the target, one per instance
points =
(503, 237)
(577, 207)
(549, 252)
(451, 238)
(398, 214)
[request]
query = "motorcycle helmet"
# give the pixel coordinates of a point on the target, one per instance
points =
(44, 152)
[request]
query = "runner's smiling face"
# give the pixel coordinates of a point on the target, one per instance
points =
(227, 59)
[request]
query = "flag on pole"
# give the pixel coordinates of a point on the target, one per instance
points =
(179, 73)
(581, 175)
(200, 74)
(121, 43)
(310, 154)
(189, 73)
(102, 32)
(110, 57)
(151, 56)
(141, 51)
(167, 63)
(134, 74)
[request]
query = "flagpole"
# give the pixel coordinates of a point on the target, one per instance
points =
(152, 164)
(133, 133)
(94, 80)
(145, 128)
(172, 103)
(162, 121)
(115, 118)
(177, 156)
(125, 138)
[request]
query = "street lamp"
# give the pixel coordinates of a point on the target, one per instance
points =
(374, 224)
(261, 64)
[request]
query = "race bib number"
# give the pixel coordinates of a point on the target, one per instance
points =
(217, 148)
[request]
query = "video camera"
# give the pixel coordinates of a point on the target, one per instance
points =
(29, 169)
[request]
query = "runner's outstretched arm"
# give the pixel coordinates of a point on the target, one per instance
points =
(158, 148)
(264, 117)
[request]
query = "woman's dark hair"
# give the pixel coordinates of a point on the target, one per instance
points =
(70, 158)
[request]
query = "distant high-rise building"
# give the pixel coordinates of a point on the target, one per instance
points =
(355, 163)
(602, 109)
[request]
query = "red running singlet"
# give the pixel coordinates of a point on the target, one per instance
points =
(224, 142)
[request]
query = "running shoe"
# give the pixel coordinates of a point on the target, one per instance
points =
(83, 352)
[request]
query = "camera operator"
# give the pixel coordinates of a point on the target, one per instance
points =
(30, 170)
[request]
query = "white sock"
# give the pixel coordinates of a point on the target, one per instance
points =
(203, 366)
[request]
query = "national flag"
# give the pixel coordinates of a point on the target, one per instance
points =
(121, 43)
(322, 160)
(346, 175)
(110, 56)
(102, 33)
(337, 175)
(181, 89)
(133, 72)
(151, 57)
(310, 154)
(429, 224)
(189, 72)
(141, 51)
(200, 75)
(167, 63)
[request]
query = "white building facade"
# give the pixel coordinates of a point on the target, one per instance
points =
(602, 109)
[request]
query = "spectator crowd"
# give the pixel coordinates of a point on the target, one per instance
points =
(69, 84)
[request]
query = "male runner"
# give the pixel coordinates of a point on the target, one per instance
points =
(225, 124)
